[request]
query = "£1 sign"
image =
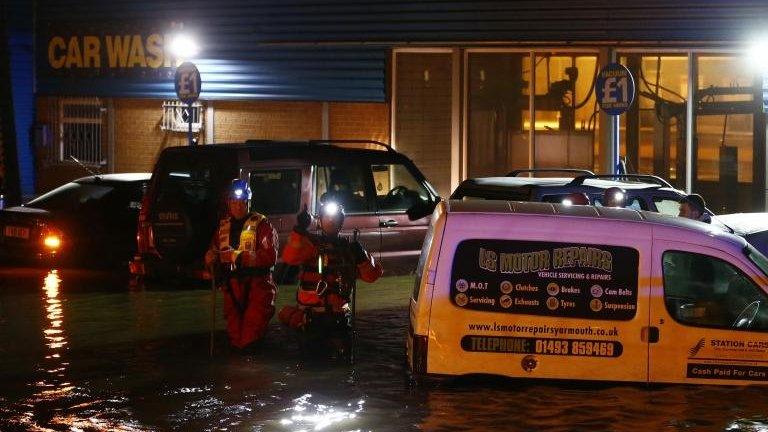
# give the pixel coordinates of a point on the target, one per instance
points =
(187, 82)
(615, 89)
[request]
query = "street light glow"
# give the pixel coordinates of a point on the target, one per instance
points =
(184, 46)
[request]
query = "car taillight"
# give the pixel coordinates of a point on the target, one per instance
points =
(52, 239)
(419, 365)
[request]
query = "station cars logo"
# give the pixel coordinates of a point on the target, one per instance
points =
(696, 348)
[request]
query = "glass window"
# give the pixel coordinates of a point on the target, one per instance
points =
(635, 204)
(347, 185)
(497, 113)
(71, 196)
(653, 130)
(276, 191)
(725, 134)
(396, 188)
(705, 291)
(566, 119)
(667, 206)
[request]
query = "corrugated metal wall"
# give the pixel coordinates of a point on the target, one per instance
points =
(20, 44)
(336, 49)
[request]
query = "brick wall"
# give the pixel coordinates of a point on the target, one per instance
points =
(138, 137)
(240, 121)
(423, 129)
(359, 121)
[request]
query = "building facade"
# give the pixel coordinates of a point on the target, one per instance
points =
(465, 89)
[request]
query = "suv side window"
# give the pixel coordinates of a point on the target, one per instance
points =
(704, 291)
(396, 188)
(346, 184)
(635, 204)
(667, 206)
(276, 191)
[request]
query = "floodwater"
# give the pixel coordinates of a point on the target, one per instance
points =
(86, 352)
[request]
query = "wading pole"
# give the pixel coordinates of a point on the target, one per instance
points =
(213, 307)
(355, 235)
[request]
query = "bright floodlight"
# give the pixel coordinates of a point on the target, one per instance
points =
(184, 47)
(757, 54)
(239, 193)
(331, 209)
(568, 202)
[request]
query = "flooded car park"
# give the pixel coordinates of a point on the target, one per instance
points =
(83, 351)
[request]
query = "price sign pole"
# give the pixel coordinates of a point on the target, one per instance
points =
(615, 90)
(188, 84)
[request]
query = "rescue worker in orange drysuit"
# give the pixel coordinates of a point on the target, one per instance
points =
(330, 264)
(244, 250)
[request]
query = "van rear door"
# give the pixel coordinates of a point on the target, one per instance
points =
(523, 302)
(710, 315)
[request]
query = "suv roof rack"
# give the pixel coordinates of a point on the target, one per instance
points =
(352, 141)
(321, 142)
(645, 178)
(517, 172)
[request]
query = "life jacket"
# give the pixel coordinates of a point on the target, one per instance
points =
(327, 280)
(247, 235)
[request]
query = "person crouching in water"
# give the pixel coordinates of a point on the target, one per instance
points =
(243, 252)
(330, 265)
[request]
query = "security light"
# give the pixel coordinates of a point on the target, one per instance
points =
(184, 46)
(757, 54)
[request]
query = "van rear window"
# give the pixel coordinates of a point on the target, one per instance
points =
(546, 279)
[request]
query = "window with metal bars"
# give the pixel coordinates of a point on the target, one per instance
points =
(81, 129)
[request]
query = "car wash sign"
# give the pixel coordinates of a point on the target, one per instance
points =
(615, 89)
(138, 50)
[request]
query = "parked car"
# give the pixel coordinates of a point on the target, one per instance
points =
(387, 198)
(644, 192)
(668, 300)
(752, 226)
(90, 221)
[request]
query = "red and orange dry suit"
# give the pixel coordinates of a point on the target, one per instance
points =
(304, 250)
(249, 294)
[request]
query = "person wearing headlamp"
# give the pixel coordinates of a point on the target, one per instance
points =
(330, 265)
(242, 254)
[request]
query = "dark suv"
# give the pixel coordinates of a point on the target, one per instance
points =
(644, 192)
(387, 198)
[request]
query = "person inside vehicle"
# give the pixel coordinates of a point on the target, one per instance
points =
(330, 265)
(693, 207)
(614, 197)
(576, 198)
(341, 192)
(242, 254)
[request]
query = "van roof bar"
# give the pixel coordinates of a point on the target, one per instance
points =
(645, 178)
(517, 172)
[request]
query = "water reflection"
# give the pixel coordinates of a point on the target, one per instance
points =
(306, 416)
(54, 366)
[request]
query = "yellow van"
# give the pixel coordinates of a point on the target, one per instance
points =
(539, 290)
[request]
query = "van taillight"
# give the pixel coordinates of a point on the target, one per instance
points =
(419, 365)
